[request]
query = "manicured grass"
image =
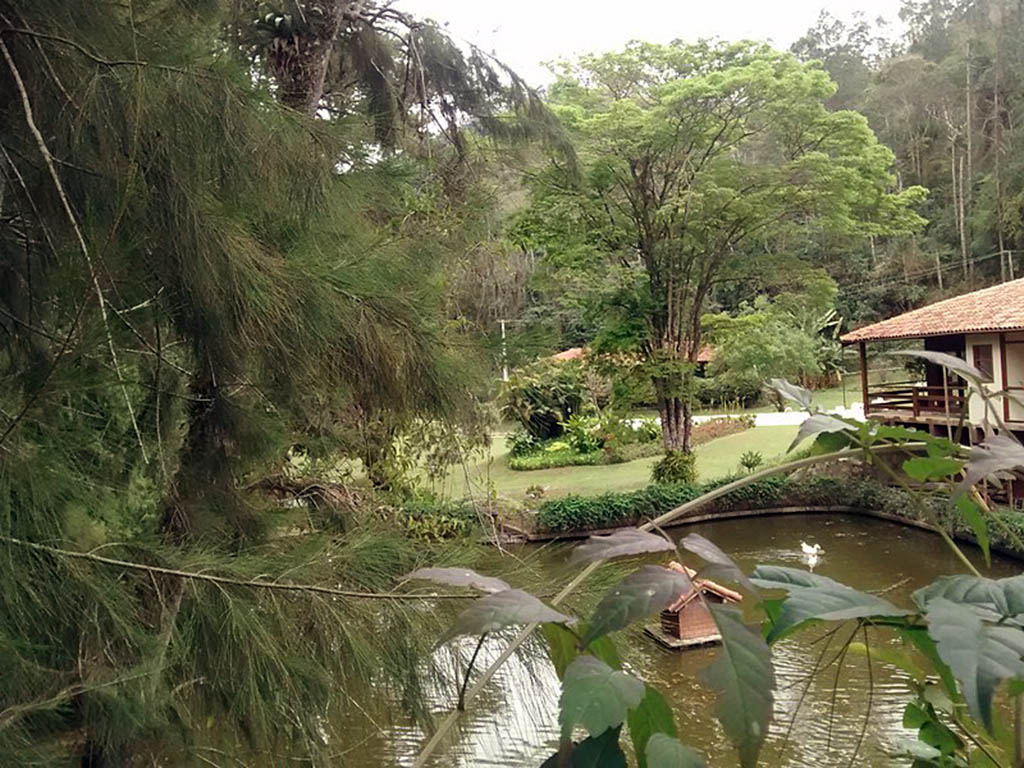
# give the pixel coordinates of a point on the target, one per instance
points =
(714, 459)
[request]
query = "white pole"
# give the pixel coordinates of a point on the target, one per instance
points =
(504, 353)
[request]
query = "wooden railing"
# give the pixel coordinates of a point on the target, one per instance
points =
(915, 399)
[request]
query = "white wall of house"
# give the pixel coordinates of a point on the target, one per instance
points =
(976, 406)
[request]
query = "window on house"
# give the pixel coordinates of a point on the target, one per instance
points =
(983, 359)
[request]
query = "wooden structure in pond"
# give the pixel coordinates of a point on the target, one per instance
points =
(688, 622)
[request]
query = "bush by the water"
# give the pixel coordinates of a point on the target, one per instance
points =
(610, 510)
(676, 467)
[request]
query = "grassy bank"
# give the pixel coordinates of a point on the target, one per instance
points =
(714, 459)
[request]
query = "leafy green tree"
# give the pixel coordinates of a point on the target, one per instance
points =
(761, 345)
(689, 154)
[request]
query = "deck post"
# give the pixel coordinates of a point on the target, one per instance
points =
(862, 348)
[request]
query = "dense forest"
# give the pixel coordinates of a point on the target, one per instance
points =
(261, 267)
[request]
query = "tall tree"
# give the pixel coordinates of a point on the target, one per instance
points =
(689, 155)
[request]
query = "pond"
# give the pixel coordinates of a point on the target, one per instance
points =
(817, 724)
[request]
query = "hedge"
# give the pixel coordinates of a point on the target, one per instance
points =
(575, 513)
(566, 457)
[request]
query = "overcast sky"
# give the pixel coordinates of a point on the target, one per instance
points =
(525, 33)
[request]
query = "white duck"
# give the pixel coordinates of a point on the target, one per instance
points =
(811, 550)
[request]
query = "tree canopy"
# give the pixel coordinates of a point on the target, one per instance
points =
(696, 161)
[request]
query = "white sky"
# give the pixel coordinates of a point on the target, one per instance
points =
(525, 33)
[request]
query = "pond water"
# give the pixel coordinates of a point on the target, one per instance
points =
(514, 722)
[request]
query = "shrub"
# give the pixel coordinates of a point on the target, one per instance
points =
(741, 390)
(437, 519)
(542, 396)
(676, 467)
(547, 459)
(612, 509)
(751, 460)
(581, 432)
(521, 443)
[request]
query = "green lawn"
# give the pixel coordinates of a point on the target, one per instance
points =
(714, 459)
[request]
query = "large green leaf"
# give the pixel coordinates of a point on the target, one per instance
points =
(666, 752)
(596, 696)
(593, 752)
(981, 655)
(817, 597)
(459, 577)
(917, 636)
(956, 364)
(925, 468)
(743, 677)
(1002, 596)
(817, 424)
(790, 391)
(721, 562)
(640, 594)
(563, 647)
(628, 541)
(500, 610)
(652, 716)
(999, 453)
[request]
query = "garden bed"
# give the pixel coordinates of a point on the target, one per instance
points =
(561, 453)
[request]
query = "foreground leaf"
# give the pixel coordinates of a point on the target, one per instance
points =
(629, 541)
(666, 752)
(790, 391)
(500, 610)
(817, 597)
(652, 717)
(917, 636)
(925, 468)
(743, 677)
(998, 453)
(956, 364)
(596, 696)
(563, 647)
(593, 752)
(981, 655)
(459, 577)
(815, 425)
(710, 552)
(646, 591)
(1005, 597)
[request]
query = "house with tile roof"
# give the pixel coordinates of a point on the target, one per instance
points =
(985, 328)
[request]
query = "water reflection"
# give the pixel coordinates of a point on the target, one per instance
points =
(820, 714)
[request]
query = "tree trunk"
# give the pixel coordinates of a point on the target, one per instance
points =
(299, 61)
(676, 421)
(203, 486)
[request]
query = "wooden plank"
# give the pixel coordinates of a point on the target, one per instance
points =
(677, 643)
(863, 350)
(1006, 379)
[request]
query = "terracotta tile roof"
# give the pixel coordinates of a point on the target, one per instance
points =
(999, 308)
(705, 354)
